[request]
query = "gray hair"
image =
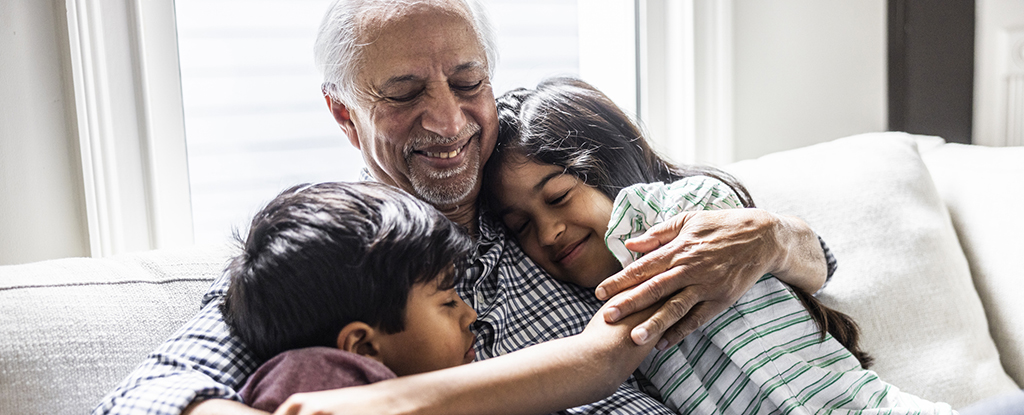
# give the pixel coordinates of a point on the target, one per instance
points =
(337, 48)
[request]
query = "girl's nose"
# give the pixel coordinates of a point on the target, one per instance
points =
(550, 231)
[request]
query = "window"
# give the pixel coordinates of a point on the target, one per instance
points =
(256, 123)
(236, 77)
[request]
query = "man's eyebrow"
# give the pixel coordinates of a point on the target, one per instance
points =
(471, 65)
(397, 80)
(464, 67)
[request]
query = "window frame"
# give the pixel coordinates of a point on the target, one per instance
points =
(127, 104)
(132, 137)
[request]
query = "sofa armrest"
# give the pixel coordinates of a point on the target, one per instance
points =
(73, 328)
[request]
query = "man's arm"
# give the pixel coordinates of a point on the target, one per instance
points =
(543, 378)
(200, 361)
(702, 262)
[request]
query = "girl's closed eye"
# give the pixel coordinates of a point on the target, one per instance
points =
(558, 219)
(521, 227)
(560, 198)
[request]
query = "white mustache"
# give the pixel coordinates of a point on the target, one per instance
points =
(431, 139)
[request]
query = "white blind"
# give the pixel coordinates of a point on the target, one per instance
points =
(255, 120)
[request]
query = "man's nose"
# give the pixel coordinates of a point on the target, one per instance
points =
(443, 115)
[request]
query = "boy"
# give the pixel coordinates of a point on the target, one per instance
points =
(344, 284)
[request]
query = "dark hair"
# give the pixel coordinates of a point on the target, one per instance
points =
(568, 123)
(321, 256)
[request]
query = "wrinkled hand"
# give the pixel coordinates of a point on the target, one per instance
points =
(702, 262)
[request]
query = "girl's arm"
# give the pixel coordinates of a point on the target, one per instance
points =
(540, 379)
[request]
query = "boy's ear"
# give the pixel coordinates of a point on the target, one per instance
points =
(359, 338)
(343, 117)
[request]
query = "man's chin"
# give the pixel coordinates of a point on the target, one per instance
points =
(445, 189)
(446, 195)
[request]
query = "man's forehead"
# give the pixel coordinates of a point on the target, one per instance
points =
(388, 17)
(420, 45)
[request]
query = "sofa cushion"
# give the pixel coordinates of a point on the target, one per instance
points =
(902, 275)
(73, 328)
(983, 188)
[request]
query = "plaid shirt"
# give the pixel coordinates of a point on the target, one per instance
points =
(517, 303)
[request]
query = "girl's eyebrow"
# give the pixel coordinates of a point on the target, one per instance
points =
(537, 187)
(543, 181)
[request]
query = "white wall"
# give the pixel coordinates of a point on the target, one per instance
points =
(42, 215)
(1000, 26)
(807, 71)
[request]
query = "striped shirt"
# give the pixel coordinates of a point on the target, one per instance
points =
(763, 355)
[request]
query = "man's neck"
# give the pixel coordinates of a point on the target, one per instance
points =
(465, 215)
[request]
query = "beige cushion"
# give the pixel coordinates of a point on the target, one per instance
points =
(74, 328)
(902, 274)
(983, 187)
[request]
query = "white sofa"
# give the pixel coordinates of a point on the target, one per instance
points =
(910, 219)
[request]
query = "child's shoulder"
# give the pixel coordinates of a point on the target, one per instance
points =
(688, 193)
(685, 184)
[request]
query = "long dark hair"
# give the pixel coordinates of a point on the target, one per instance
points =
(568, 123)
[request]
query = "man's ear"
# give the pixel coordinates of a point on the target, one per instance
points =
(344, 119)
(359, 338)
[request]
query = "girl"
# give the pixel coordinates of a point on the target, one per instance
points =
(564, 153)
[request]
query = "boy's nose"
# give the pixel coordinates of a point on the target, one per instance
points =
(469, 316)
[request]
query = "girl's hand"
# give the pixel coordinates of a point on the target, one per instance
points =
(702, 262)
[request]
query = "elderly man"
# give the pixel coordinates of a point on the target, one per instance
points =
(408, 82)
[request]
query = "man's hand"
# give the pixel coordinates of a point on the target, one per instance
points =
(702, 262)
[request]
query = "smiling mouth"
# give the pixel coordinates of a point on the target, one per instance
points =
(446, 155)
(443, 153)
(570, 249)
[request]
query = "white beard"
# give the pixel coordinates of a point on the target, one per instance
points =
(444, 188)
